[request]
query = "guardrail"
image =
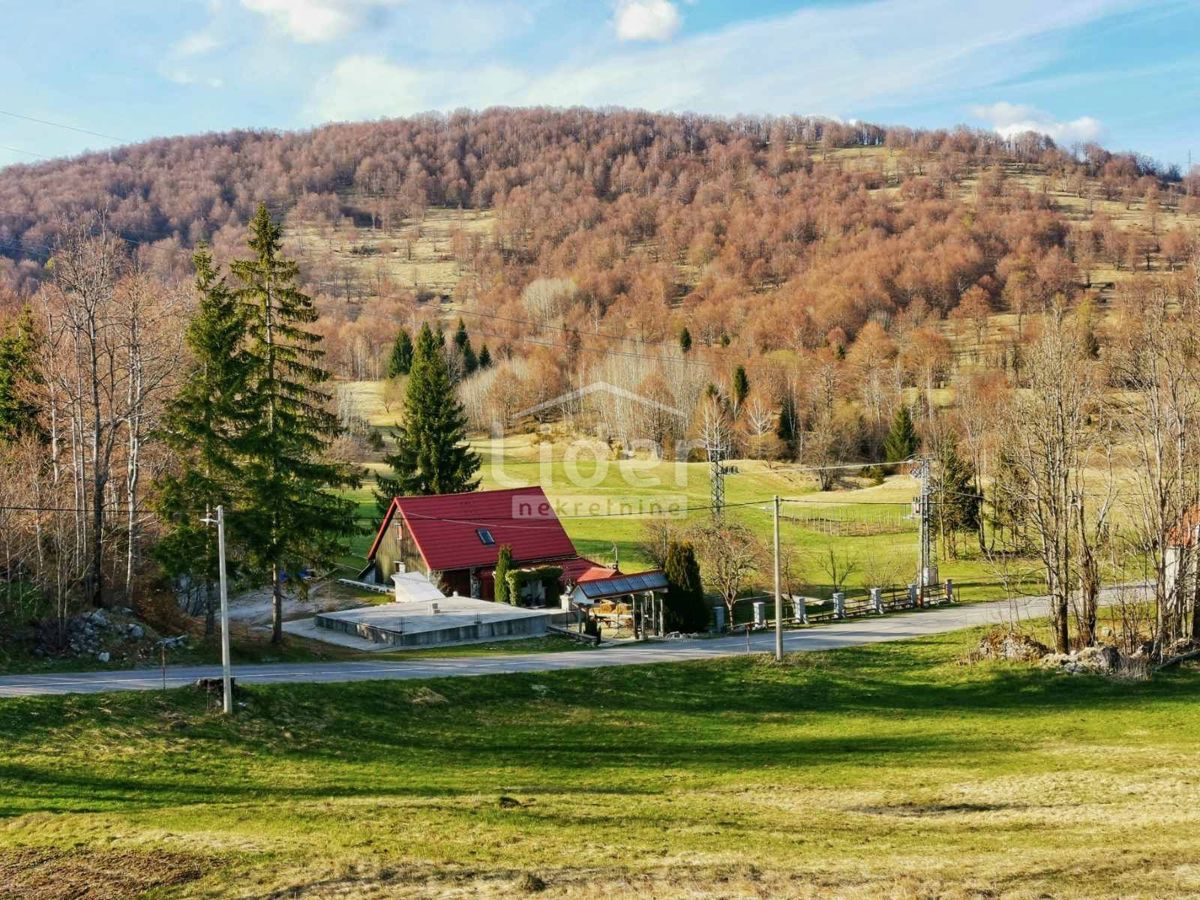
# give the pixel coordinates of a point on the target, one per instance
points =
(800, 610)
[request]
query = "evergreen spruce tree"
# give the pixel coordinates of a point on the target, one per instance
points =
(485, 357)
(18, 344)
(787, 428)
(741, 387)
(200, 426)
(400, 362)
(463, 342)
(685, 607)
(902, 441)
(957, 504)
(431, 451)
(285, 512)
(500, 576)
(685, 339)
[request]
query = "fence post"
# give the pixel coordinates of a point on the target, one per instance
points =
(877, 600)
(839, 605)
(800, 607)
(912, 595)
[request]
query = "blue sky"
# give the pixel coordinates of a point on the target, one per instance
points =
(1123, 72)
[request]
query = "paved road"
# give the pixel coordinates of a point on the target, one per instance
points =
(850, 633)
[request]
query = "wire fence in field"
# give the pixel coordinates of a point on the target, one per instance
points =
(852, 520)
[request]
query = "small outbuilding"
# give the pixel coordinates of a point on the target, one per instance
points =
(638, 600)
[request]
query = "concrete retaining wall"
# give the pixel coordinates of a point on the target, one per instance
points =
(529, 626)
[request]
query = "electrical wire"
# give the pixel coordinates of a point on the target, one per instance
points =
(100, 134)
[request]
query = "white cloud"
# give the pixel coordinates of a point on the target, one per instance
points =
(1011, 119)
(183, 76)
(316, 21)
(197, 44)
(647, 20)
(367, 86)
(863, 59)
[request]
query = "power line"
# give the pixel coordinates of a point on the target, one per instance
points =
(19, 150)
(100, 134)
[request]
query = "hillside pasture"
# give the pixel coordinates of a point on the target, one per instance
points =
(888, 771)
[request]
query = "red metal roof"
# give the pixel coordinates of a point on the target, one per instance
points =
(446, 528)
(577, 570)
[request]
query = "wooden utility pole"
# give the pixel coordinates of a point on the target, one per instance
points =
(778, 589)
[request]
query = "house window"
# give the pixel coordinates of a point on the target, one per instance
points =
(485, 536)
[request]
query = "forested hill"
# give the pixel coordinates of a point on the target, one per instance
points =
(777, 231)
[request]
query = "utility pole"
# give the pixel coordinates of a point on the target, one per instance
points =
(925, 575)
(716, 444)
(778, 591)
(226, 675)
(717, 472)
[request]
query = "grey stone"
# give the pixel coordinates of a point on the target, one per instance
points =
(103, 656)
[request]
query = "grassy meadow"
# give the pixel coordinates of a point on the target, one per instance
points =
(607, 503)
(888, 771)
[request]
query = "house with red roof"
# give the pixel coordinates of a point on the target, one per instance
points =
(455, 540)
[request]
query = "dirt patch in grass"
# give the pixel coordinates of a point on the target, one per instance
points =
(85, 874)
(917, 810)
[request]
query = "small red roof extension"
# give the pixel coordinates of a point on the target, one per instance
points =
(579, 570)
(1185, 532)
(444, 528)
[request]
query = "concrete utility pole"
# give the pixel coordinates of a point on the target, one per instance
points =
(226, 675)
(778, 590)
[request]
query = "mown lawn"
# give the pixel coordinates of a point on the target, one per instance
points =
(886, 771)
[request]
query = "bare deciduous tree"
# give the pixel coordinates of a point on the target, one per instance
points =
(1049, 441)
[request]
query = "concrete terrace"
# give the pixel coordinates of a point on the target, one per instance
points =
(421, 623)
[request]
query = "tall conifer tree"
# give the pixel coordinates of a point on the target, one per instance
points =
(17, 345)
(286, 510)
(902, 441)
(463, 342)
(431, 454)
(200, 427)
(400, 362)
(741, 387)
(685, 606)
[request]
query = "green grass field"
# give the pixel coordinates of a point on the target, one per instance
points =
(606, 504)
(886, 771)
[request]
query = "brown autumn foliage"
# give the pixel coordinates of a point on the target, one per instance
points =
(612, 230)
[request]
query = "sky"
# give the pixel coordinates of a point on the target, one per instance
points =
(1123, 73)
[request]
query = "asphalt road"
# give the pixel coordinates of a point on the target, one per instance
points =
(850, 633)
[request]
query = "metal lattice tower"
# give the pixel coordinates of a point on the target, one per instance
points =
(924, 503)
(717, 472)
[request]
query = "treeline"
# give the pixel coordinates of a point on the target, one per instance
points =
(121, 433)
(752, 232)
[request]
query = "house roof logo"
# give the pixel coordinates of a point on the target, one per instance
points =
(599, 387)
